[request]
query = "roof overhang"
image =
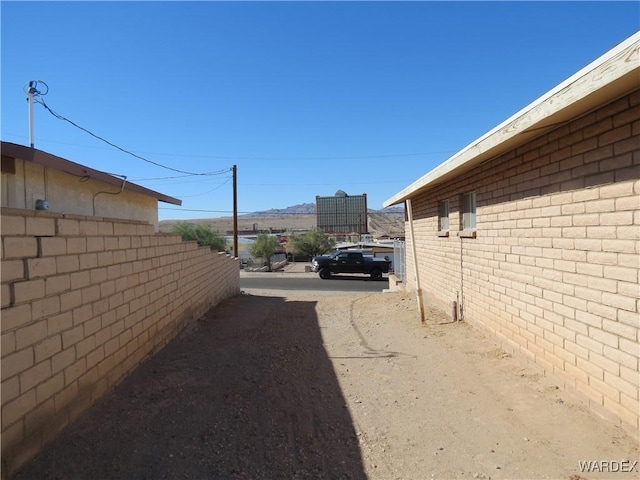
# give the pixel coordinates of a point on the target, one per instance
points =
(611, 76)
(45, 159)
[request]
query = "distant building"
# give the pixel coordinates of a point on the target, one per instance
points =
(342, 214)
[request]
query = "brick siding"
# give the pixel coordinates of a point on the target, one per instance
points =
(84, 301)
(554, 268)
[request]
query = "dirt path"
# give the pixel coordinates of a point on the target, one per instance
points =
(333, 386)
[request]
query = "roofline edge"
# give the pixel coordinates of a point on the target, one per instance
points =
(626, 54)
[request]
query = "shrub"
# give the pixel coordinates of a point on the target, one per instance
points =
(203, 234)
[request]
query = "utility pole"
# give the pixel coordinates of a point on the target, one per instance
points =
(235, 211)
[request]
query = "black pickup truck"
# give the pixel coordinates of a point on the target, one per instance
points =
(349, 261)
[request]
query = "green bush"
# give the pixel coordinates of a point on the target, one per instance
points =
(203, 234)
(312, 243)
(264, 247)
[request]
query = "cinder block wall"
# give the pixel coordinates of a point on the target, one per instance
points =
(84, 301)
(554, 270)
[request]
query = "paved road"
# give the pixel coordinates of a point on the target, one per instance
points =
(311, 282)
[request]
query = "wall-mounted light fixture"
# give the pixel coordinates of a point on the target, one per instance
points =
(42, 204)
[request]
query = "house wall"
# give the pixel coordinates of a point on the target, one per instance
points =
(554, 268)
(84, 301)
(69, 194)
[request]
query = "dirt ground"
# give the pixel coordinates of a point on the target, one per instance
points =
(275, 385)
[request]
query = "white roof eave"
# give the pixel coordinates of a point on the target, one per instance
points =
(614, 73)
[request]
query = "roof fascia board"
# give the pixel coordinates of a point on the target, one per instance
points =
(48, 160)
(618, 64)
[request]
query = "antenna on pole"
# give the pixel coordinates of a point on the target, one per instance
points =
(32, 91)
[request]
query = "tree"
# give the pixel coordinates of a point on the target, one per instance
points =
(313, 243)
(265, 247)
(203, 234)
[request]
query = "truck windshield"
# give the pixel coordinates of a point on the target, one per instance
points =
(339, 252)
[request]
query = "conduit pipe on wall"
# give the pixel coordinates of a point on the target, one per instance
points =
(414, 255)
(124, 181)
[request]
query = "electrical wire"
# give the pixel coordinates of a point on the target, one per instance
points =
(239, 157)
(37, 93)
(60, 117)
(219, 172)
(261, 157)
(193, 210)
(208, 191)
(267, 215)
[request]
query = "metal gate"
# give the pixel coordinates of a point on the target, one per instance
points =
(399, 260)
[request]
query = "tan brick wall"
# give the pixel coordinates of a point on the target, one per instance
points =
(84, 301)
(554, 268)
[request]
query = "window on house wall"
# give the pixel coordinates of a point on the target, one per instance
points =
(469, 211)
(443, 216)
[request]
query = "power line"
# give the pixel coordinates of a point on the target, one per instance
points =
(194, 210)
(266, 215)
(36, 92)
(323, 184)
(261, 157)
(57, 115)
(208, 191)
(219, 172)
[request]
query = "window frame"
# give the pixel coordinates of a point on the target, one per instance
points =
(443, 215)
(468, 213)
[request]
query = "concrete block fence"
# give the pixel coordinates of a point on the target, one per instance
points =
(84, 301)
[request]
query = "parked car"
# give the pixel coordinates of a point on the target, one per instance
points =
(349, 261)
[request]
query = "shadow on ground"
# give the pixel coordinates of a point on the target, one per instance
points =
(247, 393)
(363, 277)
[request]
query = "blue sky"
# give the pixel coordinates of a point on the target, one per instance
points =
(306, 98)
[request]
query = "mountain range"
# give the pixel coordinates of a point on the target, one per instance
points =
(389, 221)
(310, 209)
